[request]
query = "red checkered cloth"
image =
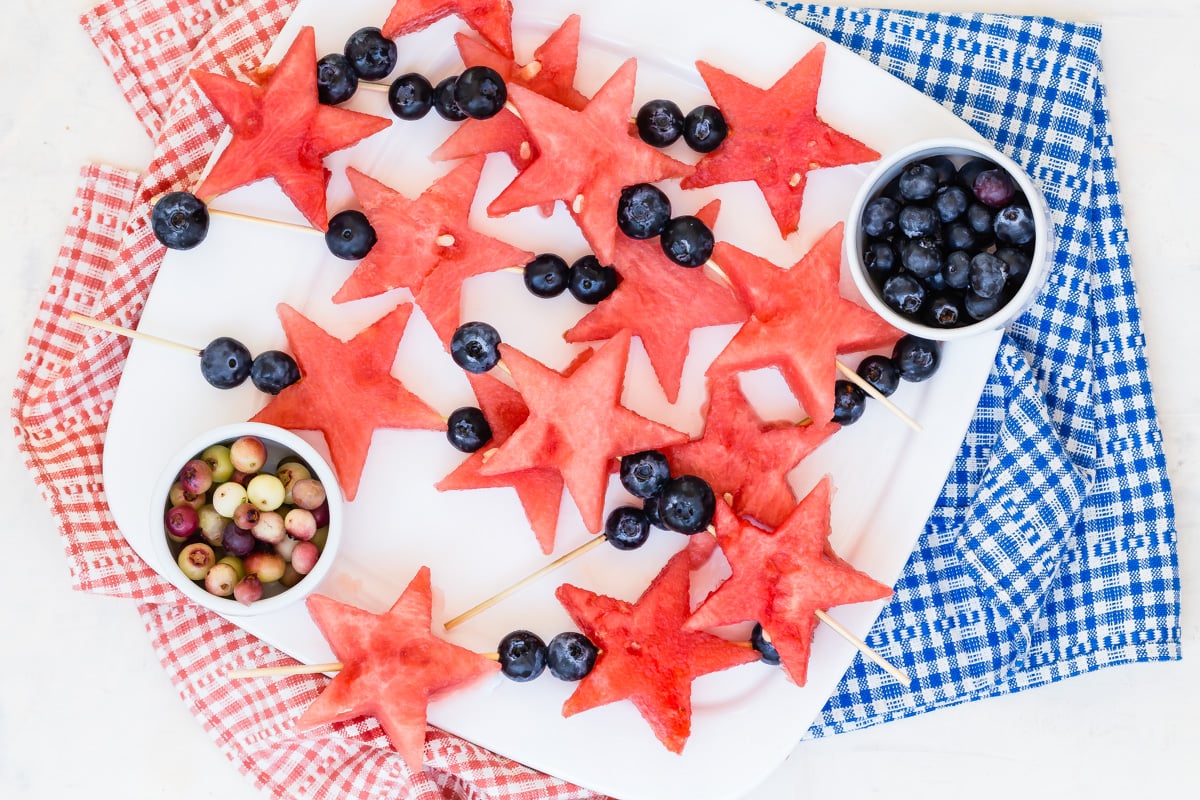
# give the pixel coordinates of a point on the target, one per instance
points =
(64, 395)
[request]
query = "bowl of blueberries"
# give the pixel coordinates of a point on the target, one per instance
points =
(949, 238)
(248, 519)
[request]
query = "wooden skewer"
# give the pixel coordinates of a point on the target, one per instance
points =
(303, 669)
(864, 648)
(131, 333)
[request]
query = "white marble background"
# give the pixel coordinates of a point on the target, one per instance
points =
(85, 709)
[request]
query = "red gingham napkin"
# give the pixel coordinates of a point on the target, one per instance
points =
(64, 394)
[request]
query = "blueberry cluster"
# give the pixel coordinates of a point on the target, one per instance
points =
(225, 363)
(948, 244)
(662, 122)
(524, 655)
(644, 211)
(548, 275)
(913, 359)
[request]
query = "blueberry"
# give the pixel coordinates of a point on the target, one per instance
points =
(372, 55)
(687, 241)
(957, 270)
(959, 236)
(988, 275)
(944, 168)
(627, 527)
(659, 122)
(1016, 262)
(336, 79)
(350, 235)
(643, 211)
(916, 220)
(916, 358)
(980, 219)
(686, 504)
(879, 216)
(951, 202)
(1014, 225)
(410, 96)
(849, 402)
(645, 474)
(444, 101)
(994, 187)
(918, 181)
(904, 293)
(467, 429)
(704, 128)
(880, 372)
(943, 311)
(760, 642)
(273, 371)
(179, 220)
(922, 257)
(546, 275)
(523, 655)
(480, 92)
(225, 362)
(589, 281)
(570, 656)
(880, 258)
(970, 169)
(475, 347)
(934, 283)
(978, 308)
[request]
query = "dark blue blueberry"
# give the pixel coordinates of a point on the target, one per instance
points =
(849, 402)
(589, 281)
(959, 236)
(523, 655)
(915, 221)
(1014, 225)
(627, 528)
(981, 219)
(686, 504)
(760, 642)
(225, 362)
(957, 270)
(659, 122)
(988, 275)
(687, 241)
(994, 188)
(916, 358)
(880, 372)
(643, 211)
(904, 293)
(935, 282)
(879, 216)
(944, 168)
(645, 474)
(273, 371)
(546, 275)
(704, 128)
(970, 169)
(1016, 262)
(922, 257)
(650, 506)
(480, 92)
(475, 347)
(336, 79)
(410, 96)
(979, 308)
(350, 235)
(372, 54)
(951, 202)
(444, 101)
(467, 429)
(571, 656)
(179, 220)
(918, 181)
(880, 257)
(943, 311)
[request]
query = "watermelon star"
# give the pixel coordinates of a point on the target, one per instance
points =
(742, 456)
(781, 578)
(775, 137)
(426, 245)
(492, 19)
(647, 301)
(392, 666)
(799, 322)
(576, 424)
(280, 130)
(647, 656)
(346, 390)
(585, 158)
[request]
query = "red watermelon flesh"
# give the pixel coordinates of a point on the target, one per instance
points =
(585, 158)
(577, 425)
(745, 458)
(280, 130)
(781, 578)
(492, 19)
(346, 390)
(392, 666)
(662, 303)
(775, 137)
(647, 656)
(799, 321)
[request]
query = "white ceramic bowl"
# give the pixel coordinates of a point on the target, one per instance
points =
(280, 443)
(958, 150)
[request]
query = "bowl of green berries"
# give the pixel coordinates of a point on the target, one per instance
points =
(250, 518)
(948, 238)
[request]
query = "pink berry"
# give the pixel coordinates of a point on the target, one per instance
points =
(304, 557)
(246, 515)
(248, 454)
(308, 493)
(221, 579)
(178, 496)
(196, 477)
(269, 528)
(300, 524)
(182, 522)
(268, 566)
(248, 590)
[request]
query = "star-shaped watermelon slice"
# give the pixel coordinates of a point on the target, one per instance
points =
(426, 245)
(799, 322)
(647, 656)
(746, 458)
(775, 137)
(346, 390)
(280, 130)
(649, 302)
(392, 666)
(492, 19)
(576, 424)
(585, 158)
(781, 578)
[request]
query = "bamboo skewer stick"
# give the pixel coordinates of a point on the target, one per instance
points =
(131, 333)
(864, 648)
(303, 669)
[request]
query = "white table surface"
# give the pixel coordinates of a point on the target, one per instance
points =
(86, 710)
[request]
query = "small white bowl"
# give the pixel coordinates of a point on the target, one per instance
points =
(958, 150)
(280, 443)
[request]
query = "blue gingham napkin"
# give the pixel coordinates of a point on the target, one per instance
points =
(1051, 551)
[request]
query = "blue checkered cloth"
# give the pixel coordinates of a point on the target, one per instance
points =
(1052, 549)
